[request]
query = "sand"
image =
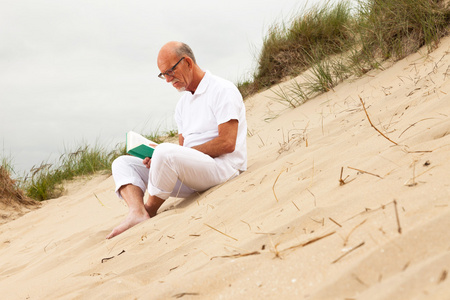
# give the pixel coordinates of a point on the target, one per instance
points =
(291, 227)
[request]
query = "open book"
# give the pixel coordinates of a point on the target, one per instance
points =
(139, 146)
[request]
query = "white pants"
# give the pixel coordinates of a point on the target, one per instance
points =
(175, 171)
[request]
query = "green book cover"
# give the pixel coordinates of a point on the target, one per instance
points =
(139, 146)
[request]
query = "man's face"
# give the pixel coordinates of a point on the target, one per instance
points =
(175, 71)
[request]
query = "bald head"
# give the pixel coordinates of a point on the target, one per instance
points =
(174, 50)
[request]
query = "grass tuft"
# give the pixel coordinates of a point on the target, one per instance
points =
(11, 193)
(47, 179)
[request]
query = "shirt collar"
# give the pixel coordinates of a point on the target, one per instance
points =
(203, 85)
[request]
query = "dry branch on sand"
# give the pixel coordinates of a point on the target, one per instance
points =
(313, 240)
(348, 252)
(371, 124)
(237, 255)
(221, 232)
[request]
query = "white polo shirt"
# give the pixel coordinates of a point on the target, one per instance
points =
(215, 101)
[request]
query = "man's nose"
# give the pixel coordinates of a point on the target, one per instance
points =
(168, 78)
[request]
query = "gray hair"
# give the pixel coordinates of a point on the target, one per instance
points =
(185, 50)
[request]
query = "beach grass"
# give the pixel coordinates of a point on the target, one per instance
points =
(395, 29)
(46, 180)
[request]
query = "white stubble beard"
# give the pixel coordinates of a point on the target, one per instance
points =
(181, 89)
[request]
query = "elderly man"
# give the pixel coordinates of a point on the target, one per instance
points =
(212, 146)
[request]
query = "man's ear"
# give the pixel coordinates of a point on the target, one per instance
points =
(189, 62)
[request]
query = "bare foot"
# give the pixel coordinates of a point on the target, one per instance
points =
(132, 219)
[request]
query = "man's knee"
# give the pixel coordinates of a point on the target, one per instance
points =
(118, 163)
(165, 151)
(125, 162)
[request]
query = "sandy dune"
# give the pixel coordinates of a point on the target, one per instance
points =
(285, 229)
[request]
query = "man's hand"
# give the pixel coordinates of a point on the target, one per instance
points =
(147, 161)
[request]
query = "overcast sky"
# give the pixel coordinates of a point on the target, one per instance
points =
(74, 72)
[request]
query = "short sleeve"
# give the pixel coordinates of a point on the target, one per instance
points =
(228, 105)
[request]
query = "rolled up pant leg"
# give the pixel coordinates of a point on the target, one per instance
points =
(129, 170)
(194, 169)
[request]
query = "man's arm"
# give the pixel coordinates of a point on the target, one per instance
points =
(224, 143)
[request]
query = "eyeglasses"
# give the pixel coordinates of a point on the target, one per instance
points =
(170, 72)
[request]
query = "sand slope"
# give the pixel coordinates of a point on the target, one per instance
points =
(286, 228)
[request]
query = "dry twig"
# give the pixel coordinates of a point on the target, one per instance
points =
(396, 215)
(342, 181)
(335, 222)
(310, 241)
(315, 203)
(365, 172)
(249, 227)
(347, 253)
(185, 294)
(413, 125)
(221, 232)
(108, 258)
(273, 187)
(368, 118)
(351, 231)
(413, 183)
(237, 255)
(295, 205)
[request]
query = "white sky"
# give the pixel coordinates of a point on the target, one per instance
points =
(85, 71)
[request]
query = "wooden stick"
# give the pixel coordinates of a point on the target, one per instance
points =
(351, 231)
(368, 210)
(396, 215)
(310, 241)
(315, 204)
(100, 201)
(237, 255)
(347, 253)
(180, 295)
(295, 205)
(273, 187)
(335, 222)
(249, 227)
(320, 222)
(221, 232)
(365, 172)
(342, 181)
(368, 118)
(414, 125)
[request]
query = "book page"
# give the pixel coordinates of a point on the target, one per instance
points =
(134, 139)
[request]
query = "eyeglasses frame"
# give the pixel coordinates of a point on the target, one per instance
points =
(170, 72)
